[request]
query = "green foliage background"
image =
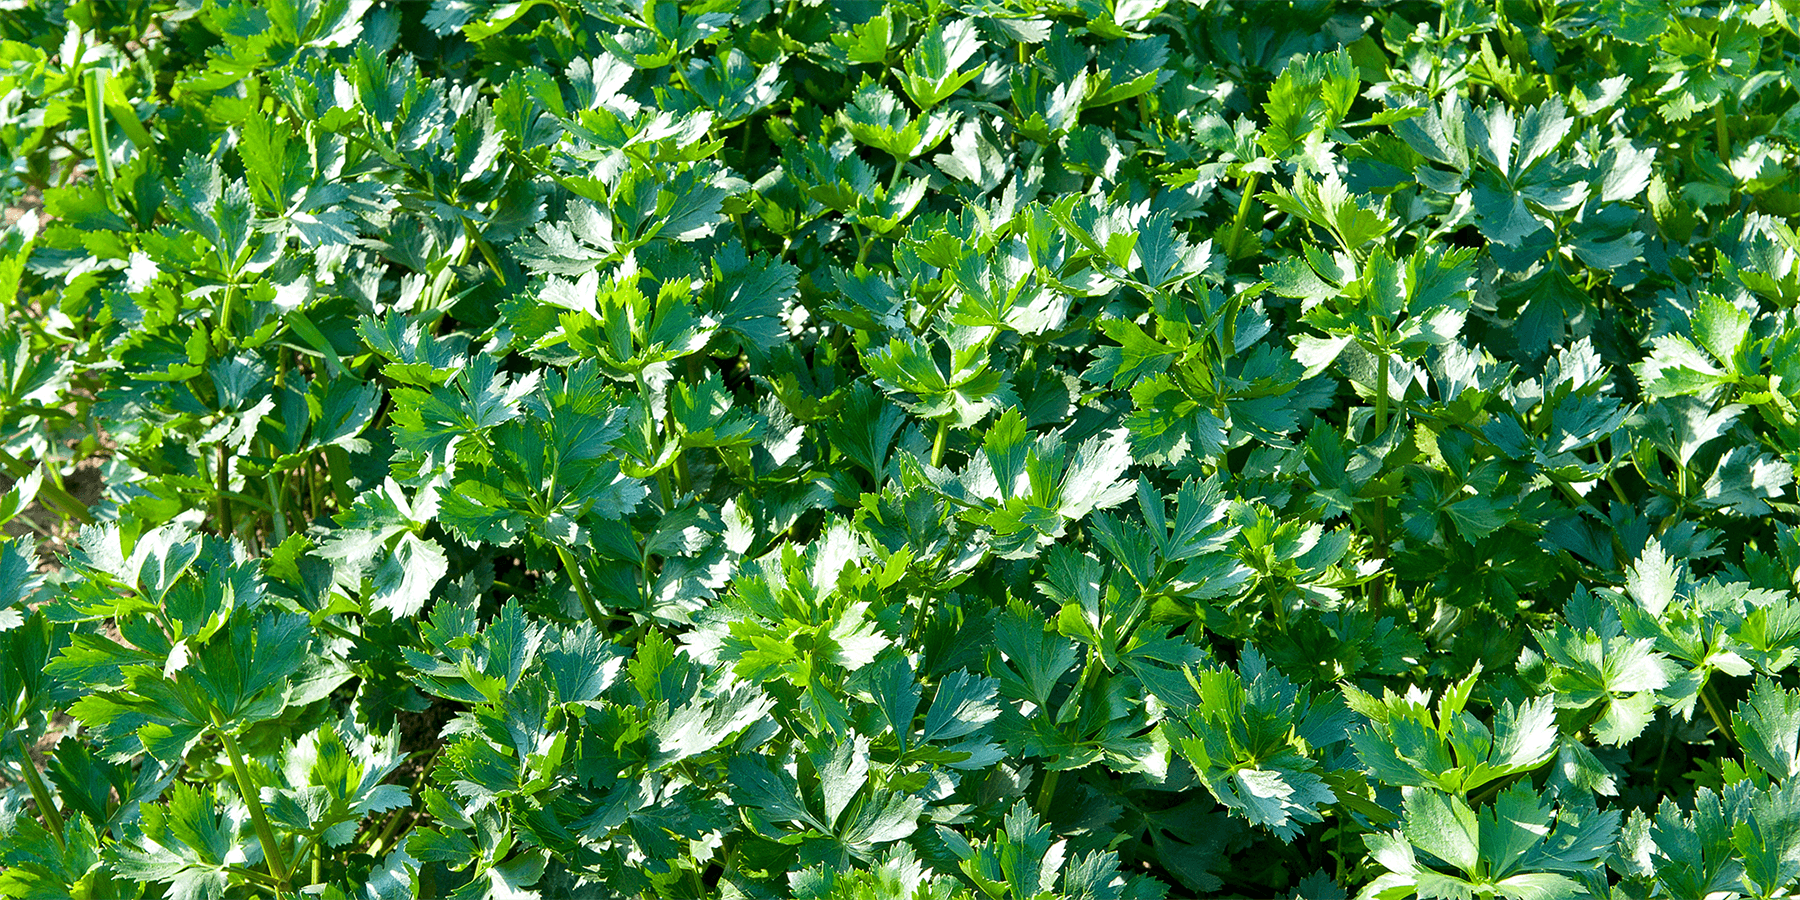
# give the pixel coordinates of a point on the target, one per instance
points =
(1021, 449)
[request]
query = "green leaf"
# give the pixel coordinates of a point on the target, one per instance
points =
(1443, 826)
(331, 780)
(1406, 744)
(934, 68)
(958, 385)
(1518, 847)
(402, 584)
(1311, 95)
(1767, 726)
(185, 844)
(869, 41)
(19, 580)
(773, 791)
(962, 705)
(1330, 205)
(1253, 737)
(1721, 328)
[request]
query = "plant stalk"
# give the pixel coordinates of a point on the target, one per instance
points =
(393, 821)
(225, 524)
(1047, 792)
(1712, 709)
(681, 473)
(1492, 789)
(937, 443)
(1243, 212)
(862, 244)
(1722, 132)
(40, 792)
(1575, 496)
(337, 466)
(278, 517)
(1617, 490)
(1381, 425)
(253, 800)
(587, 600)
(931, 311)
(223, 314)
(260, 878)
(100, 145)
(1381, 395)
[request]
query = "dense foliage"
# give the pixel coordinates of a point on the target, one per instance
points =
(1022, 449)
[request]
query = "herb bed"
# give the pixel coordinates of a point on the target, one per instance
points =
(1037, 449)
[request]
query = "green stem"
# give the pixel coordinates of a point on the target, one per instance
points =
(1661, 755)
(1381, 394)
(223, 315)
(49, 492)
(1493, 788)
(1722, 132)
(1047, 792)
(393, 822)
(1381, 425)
(937, 443)
(315, 490)
(1617, 490)
(259, 878)
(645, 583)
(265, 835)
(262, 888)
(931, 311)
(276, 514)
(97, 138)
(1243, 212)
(337, 466)
(295, 490)
(1574, 496)
(225, 524)
(1338, 851)
(918, 626)
(40, 792)
(487, 251)
(587, 600)
(387, 830)
(1712, 709)
(862, 244)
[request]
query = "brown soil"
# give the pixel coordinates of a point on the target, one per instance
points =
(32, 200)
(421, 736)
(55, 533)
